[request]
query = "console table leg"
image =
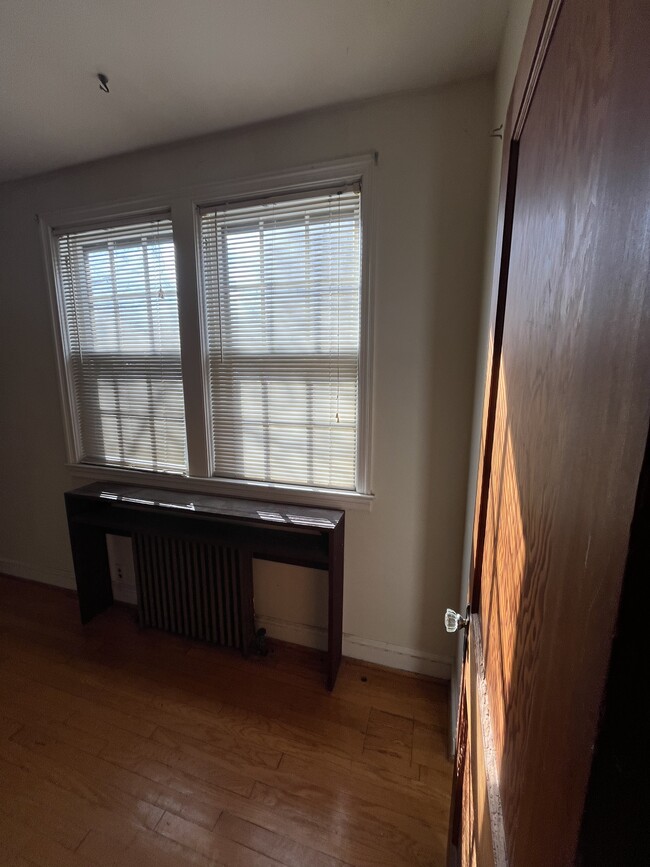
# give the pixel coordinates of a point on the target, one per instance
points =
(90, 558)
(335, 613)
(246, 612)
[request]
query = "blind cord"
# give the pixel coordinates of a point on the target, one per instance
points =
(338, 310)
(217, 253)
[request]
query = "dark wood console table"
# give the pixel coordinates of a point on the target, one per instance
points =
(298, 535)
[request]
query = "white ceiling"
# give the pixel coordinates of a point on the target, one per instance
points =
(180, 68)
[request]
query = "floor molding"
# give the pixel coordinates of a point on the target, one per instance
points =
(41, 574)
(124, 591)
(354, 646)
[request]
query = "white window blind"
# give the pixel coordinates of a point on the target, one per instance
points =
(120, 311)
(281, 281)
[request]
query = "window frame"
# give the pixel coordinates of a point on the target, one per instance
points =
(266, 360)
(99, 360)
(184, 205)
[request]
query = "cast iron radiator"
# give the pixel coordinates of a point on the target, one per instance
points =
(197, 589)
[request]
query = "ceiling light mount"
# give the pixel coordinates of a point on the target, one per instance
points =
(103, 82)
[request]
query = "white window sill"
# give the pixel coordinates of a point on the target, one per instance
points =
(290, 494)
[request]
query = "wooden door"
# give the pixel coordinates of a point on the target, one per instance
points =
(565, 427)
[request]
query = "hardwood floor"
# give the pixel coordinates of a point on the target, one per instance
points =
(121, 747)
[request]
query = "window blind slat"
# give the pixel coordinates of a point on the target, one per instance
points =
(281, 284)
(120, 308)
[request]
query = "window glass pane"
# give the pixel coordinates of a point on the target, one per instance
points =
(282, 287)
(121, 320)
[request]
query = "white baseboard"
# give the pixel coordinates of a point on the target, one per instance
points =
(366, 649)
(44, 574)
(122, 591)
(294, 633)
(125, 592)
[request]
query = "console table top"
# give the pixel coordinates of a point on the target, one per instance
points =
(258, 511)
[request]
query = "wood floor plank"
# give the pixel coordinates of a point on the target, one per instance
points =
(12, 645)
(334, 725)
(91, 796)
(20, 844)
(381, 721)
(223, 749)
(389, 742)
(389, 753)
(278, 846)
(128, 750)
(12, 839)
(132, 784)
(436, 780)
(302, 826)
(211, 729)
(311, 706)
(127, 747)
(361, 808)
(184, 703)
(241, 714)
(8, 726)
(62, 645)
(18, 716)
(210, 844)
(139, 849)
(15, 697)
(420, 698)
(160, 693)
(361, 783)
(429, 744)
(42, 852)
(357, 834)
(39, 807)
(409, 830)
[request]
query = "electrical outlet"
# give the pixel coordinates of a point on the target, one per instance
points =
(121, 567)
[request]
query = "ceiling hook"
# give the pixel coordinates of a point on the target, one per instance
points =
(103, 82)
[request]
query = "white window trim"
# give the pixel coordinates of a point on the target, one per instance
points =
(184, 204)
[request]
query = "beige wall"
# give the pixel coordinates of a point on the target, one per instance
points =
(402, 558)
(510, 51)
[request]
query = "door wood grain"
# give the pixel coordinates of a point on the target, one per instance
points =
(565, 423)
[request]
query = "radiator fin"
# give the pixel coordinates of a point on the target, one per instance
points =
(193, 588)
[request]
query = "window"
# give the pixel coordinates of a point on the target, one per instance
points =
(282, 288)
(120, 310)
(221, 336)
